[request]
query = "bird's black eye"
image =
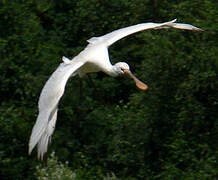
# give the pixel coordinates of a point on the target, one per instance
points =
(122, 69)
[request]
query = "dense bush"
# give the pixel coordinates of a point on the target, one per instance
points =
(112, 130)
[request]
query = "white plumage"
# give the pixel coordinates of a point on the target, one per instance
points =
(93, 58)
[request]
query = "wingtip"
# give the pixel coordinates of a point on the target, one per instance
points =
(200, 30)
(30, 151)
(174, 20)
(197, 29)
(30, 148)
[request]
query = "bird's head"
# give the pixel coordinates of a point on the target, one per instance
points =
(122, 68)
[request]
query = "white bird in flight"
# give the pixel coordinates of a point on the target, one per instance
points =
(93, 58)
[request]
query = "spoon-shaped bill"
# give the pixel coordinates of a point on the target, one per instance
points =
(142, 86)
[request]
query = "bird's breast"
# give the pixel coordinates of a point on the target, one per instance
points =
(97, 59)
(88, 68)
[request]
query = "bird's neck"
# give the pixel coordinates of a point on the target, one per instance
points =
(111, 71)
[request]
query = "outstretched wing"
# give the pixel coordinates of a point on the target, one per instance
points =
(48, 103)
(116, 35)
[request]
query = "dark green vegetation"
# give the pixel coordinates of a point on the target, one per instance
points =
(168, 132)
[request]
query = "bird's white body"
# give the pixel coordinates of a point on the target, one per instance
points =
(96, 58)
(93, 58)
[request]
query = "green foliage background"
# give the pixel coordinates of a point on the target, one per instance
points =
(168, 132)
